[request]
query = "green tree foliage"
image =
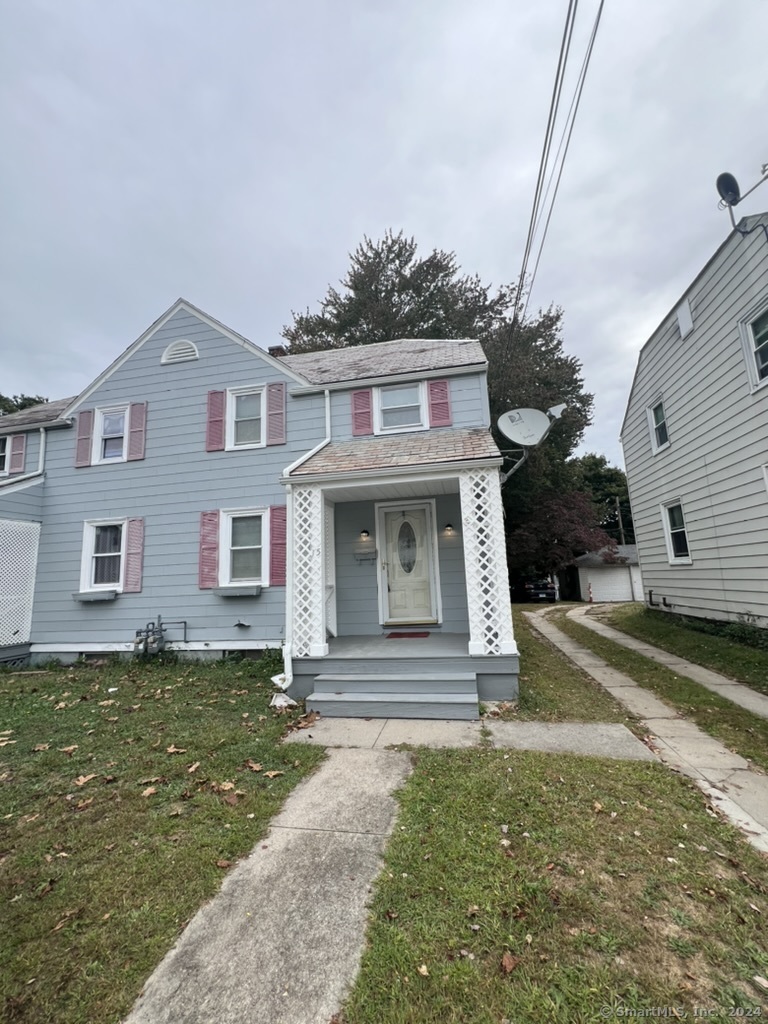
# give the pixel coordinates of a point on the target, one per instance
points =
(389, 292)
(607, 486)
(18, 402)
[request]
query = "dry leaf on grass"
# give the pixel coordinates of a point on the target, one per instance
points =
(6, 743)
(273, 775)
(41, 746)
(149, 791)
(253, 765)
(423, 971)
(223, 863)
(68, 750)
(193, 767)
(82, 779)
(173, 749)
(509, 962)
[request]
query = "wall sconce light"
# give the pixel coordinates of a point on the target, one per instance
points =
(364, 535)
(449, 529)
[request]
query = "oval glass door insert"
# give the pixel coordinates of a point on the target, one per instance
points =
(406, 547)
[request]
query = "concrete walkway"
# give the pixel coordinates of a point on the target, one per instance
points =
(282, 941)
(733, 786)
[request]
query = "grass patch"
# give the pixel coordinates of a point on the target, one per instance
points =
(539, 888)
(674, 634)
(125, 793)
(740, 730)
(552, 688)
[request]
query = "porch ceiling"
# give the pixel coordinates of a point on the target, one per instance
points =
(426, 487)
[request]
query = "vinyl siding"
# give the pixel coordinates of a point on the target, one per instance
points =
(469, 405)
(23, 501)
(169, 488)
(357, 608)
(718, 431)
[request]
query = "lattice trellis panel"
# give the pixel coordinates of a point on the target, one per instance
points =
(308, 594)
(485, 563)
(18, 565)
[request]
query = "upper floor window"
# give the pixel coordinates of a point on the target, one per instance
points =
(112, 433)
(400, 407)
(675, 533)
(3, 456)
(110, 436)
(245, 417)
(657, 421)
(759, 329)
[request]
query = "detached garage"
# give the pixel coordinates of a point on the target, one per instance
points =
(610, 574)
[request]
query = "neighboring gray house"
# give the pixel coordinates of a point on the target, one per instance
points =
(695, 440)
(611, 574)
(323, 503)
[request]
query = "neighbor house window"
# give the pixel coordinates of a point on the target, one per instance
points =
(657, 421)
(103, 556)
(759, 330)
(110, 437)
(3, 456)
(245, 418)
(400, 408)
(244, 543)
(675, 533)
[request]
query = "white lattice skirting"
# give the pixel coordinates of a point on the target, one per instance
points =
(308, 589)
(485, 563)
(18, 565)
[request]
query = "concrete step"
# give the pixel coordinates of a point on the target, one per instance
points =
(412, 682)
(461, 706)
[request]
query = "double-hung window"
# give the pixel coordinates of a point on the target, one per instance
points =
(245, 418)
(3, 456)
(103, 556)
(759, 329)
(110, 437)
(675, 533)
(244, 548)
(657, 422)
(400, 408)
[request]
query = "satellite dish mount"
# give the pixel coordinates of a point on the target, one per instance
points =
(730, 193)
(526, 428)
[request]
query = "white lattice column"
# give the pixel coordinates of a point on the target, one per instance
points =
(485, 563)
(308, 590)
(18, 565)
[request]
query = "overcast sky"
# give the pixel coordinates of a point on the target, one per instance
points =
(234, 153)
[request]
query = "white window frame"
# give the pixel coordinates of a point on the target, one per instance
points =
(98, 434)
(671, 556)
(89, 543)
(232, 394)
(5, 456)
(655, 446)
(225, 546)
(748, 345)
(378, 428)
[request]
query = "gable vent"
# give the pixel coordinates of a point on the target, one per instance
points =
(180, 352)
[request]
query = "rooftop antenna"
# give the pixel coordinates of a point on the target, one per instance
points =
(526, 428)
(730, 194)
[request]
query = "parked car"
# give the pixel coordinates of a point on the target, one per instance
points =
(530, 588)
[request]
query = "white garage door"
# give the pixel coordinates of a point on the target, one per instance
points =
(611, 583)
(18, 564)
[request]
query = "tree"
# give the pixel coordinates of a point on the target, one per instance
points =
(390, 292)
(19, 402)
(607, 486)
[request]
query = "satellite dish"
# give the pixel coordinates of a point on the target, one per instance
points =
(728, 189)
(525, 427)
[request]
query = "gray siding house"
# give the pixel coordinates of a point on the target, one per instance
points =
(343, 506)
(695, 440)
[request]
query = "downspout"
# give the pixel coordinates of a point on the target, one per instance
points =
(288, 645)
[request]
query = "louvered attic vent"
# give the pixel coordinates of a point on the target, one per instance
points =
(180, 352)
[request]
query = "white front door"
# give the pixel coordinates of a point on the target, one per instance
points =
(407, 563)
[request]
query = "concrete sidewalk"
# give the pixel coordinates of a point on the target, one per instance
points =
(733, 786)
(282, 940)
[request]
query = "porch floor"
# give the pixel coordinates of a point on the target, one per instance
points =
(436, 645)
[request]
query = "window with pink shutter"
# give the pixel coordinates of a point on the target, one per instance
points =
(214, 430)
(84, 438)
(208, 574)
(18, 449)
(134, 556)
(137, 430)
(276, 413)
(362, 412)
(277, 545)
(439, 403)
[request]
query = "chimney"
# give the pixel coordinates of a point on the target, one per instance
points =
(277, 351)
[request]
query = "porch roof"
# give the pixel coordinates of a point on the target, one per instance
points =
(422, 448)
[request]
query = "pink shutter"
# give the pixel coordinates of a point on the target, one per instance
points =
(439, 403)
(134, 556)
(214, 431)
(208, 576)
(276, 413)
(84, 438)
(277, 544)
(18, 448)
(137, 430)
(362, 412)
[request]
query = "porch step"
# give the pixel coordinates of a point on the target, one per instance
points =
(417, 695)
(421, 682)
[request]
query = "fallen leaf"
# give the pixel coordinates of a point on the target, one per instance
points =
(509, 962)
(69, 914)
(392, 914)
(760, 981)
(273, 775)
(82, 804)
(107, 916)
(423, 971)
(82, 779)
(231, 799)
(6, 743)
(173, 749)
(193, 767)
(149, 791)
(226, 785)
(597, 806)
(223, 863)
(253, 765)
(41, 746)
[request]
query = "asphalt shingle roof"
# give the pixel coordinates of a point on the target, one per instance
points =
(407, 355)
(34, 416)
(422, 448)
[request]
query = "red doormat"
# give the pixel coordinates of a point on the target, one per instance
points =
(405, 636)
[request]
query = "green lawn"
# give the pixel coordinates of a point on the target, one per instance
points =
(735, 660)
(740, 730)
(528, 887)
(126, 792)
